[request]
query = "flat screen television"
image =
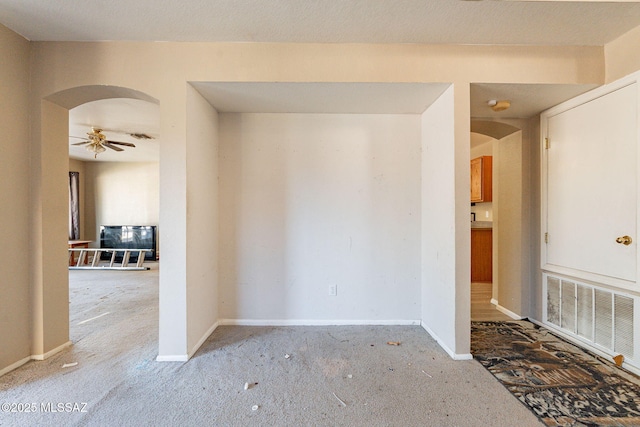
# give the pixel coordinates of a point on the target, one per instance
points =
(128, 237)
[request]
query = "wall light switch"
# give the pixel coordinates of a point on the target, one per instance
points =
(333, 290)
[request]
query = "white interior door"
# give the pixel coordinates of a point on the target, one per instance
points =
(591, 185)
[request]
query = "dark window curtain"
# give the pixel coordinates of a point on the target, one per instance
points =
(74, 208)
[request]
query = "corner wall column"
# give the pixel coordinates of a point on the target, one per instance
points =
(49, 219)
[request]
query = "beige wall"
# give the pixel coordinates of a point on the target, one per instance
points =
(439, 290)
(49, 198)
(116, 193)
(111, 193)
(120, 193)
(622, 56)
(310, 201)
(14, 193)
(60, 66)
(202, 202)
(513, 213)
(511, 234)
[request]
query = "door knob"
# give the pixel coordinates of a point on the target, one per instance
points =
(625, 240)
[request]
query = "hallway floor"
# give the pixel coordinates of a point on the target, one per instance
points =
(481, 307)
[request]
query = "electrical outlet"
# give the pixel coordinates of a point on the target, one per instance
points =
(333, 290)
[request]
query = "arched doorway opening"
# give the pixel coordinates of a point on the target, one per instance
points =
(50, 316)
(508, 217)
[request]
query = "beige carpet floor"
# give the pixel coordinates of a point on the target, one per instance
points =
(296, 376)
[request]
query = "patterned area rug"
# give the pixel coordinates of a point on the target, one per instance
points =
(561, 383)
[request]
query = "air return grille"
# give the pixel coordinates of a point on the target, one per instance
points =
(604, 316)
(623, 325)
(568, 304)
(584, 312)
(599, 316)
(553, 300)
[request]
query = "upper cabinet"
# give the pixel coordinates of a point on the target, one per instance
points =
(481, 176)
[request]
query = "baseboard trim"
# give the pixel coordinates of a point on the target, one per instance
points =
(189, 355)
(451, 353)
(50, 353)
(173, 358)
(15, 365)
(509, 313)
(316, 322)
(203, 339)
(40, 357)
(506, 311)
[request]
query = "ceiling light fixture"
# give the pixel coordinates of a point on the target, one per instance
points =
(96, 149)
(498, 105)
(97, 143)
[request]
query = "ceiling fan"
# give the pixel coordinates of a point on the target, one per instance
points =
(97, 142)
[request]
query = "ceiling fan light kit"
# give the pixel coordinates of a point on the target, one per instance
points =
(98, 143)
(96, 149)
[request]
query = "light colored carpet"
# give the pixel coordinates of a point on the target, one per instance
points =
(413, 384)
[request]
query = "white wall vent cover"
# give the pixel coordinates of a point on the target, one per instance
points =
(604, 317)
(601, 318)
(584, 312)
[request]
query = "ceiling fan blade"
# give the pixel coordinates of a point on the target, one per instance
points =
(77, 137)
(81, 143)
(126, 144)
(113, 147)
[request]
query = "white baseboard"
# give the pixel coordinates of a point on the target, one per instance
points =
(203, 339)
(316, 322)
(50, 353)
(452, 354)
(43, 356)
(173, 358)
(505, 310)
(14, 365)
(186, 357)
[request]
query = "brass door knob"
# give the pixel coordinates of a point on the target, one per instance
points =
(625, 240)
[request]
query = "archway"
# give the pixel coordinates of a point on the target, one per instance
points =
(510, 215)
(49, 217)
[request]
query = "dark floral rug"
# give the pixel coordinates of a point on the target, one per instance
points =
(561, 383)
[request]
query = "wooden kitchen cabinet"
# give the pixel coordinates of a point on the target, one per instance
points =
(481, 177)
(481, 255)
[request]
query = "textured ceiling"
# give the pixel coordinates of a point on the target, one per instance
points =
(329, 21)
(527, 100)
(323, 98)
